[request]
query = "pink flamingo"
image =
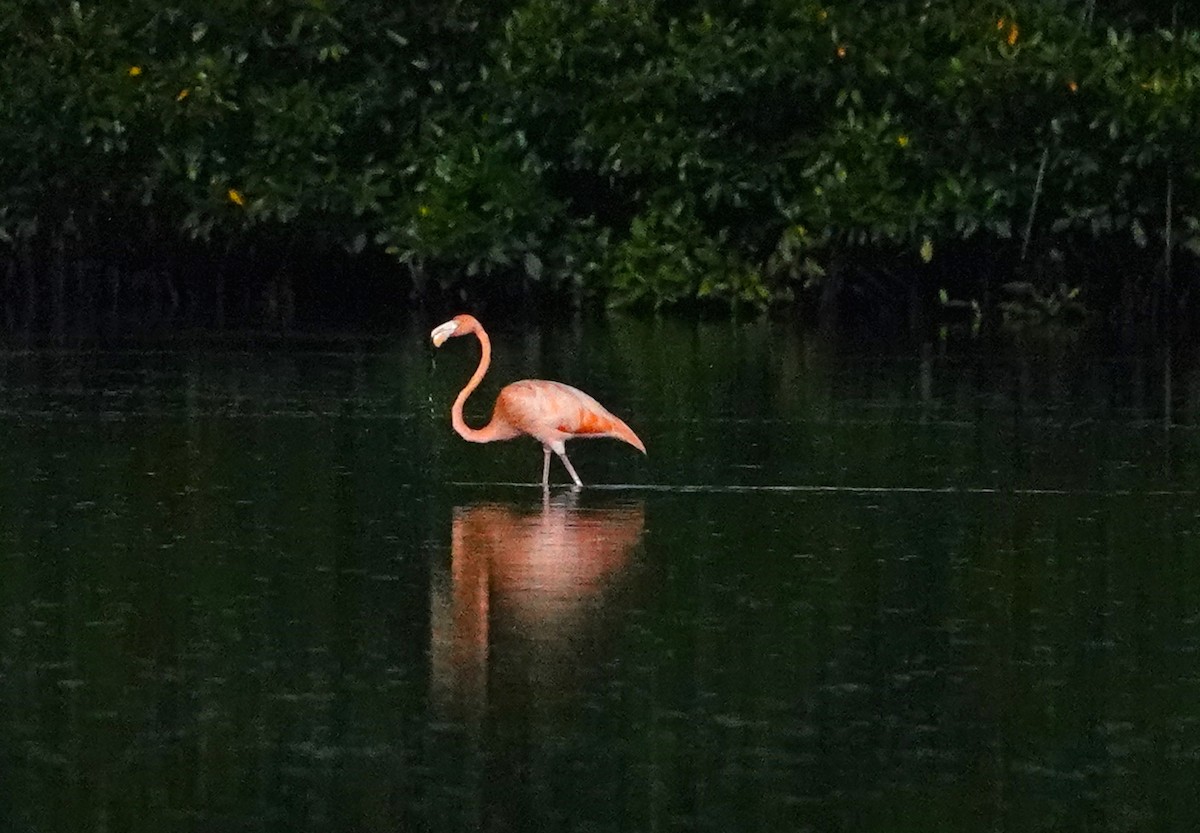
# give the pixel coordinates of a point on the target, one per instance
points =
(550, 412)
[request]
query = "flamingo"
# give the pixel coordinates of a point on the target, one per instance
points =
(550, 412)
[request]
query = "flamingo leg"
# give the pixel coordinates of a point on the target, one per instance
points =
(546, 467)
(562, 455)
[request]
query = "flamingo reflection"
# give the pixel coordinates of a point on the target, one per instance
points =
(528, 579)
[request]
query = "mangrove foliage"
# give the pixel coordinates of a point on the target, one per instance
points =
(263, 160)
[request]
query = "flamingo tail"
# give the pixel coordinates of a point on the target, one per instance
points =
(623, 432)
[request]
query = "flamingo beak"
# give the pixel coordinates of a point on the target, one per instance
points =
(442, 332)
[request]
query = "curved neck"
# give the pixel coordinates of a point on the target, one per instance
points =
(456, 413)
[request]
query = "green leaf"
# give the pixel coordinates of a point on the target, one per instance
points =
(1139, 233)
(533, 266)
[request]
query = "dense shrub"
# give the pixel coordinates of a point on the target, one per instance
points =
(639, 152)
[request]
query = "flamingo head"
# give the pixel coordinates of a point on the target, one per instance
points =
(459, 325)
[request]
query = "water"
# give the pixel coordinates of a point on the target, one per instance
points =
(268, 589)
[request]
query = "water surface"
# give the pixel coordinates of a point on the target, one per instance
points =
(266, 588)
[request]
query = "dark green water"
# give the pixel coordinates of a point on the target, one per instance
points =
(268, 590)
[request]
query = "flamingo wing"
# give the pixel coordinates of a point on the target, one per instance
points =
(554, 412)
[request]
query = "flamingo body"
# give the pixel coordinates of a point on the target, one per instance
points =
(550, 412)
